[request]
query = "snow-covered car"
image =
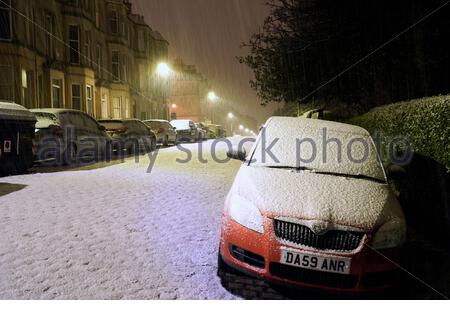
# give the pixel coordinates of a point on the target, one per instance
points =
(186, 130)
(311, 207)
(130, 135)
(201, 128)
(66, 135)
(165, 133)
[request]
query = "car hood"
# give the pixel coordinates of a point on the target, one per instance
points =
(346, 203)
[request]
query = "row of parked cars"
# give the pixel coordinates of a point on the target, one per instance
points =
(64, 136)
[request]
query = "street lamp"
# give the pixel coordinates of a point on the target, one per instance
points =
(241, 127)
(163, 70)
(174, 106)
(212, 98)
(231, 117)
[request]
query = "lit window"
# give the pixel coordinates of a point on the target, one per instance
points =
(76, 96)
(57, 93)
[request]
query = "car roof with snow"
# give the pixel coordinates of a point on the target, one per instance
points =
(324, 146)
(293, 124)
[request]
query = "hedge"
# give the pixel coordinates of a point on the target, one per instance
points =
(425, 122)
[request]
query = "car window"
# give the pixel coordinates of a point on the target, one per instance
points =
(90, 123)
(112, 125)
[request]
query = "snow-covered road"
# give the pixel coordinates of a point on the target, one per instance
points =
(116, 232)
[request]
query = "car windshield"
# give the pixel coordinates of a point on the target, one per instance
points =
(180, 124)
(320, 149)
(153, 124)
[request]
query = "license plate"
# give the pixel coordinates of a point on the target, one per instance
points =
(315, 262)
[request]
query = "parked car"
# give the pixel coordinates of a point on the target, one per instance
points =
(208, 133)
(217, 131)
(65, 136)
(130, 135)
(17, 126)
(186, 130)
(331, 224)
(163, 130)
(201, 131)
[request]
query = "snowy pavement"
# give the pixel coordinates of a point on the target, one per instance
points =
(116, 232)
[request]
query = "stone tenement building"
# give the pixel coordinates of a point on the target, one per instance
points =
(90, 55)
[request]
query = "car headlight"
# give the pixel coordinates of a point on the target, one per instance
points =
(246, 214)
(390, 235)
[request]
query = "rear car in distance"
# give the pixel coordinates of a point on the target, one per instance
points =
(308, 217)
(130, 136)
(186, 130)
(65, 136)
(165, 133)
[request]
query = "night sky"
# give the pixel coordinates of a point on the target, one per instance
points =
(209, 33)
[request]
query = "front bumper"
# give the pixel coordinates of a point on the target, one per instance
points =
(259, 255)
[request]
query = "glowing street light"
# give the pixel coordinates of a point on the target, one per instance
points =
(230, 115)
(247, 130)
(163, 70)
(174, 106)
(241, 127)
(212, 97)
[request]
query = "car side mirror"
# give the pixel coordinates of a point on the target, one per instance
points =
(396, 172)
(101, 128)
(237, 154)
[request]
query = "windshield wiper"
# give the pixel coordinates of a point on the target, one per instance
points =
(346, 175)
(352, 176)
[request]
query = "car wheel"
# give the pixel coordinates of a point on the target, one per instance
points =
(166, 141)
(223, 268)
(69, 156)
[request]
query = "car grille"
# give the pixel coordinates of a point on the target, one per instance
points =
(312, 277)
(332, 240)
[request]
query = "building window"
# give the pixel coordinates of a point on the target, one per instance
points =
(105, 111)
(76, 96)
(41, 90)
(5, 20)
(98, 60)
(87, 47)
(117, 108)
(49, 35)
(114, 22)
(57, 93)
(116, 65)
(27, 77)
(7, 83)
(127, 108)
(124, 72)
(74, 44)
(90, 100)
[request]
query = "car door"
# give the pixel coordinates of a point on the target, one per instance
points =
(94, 137)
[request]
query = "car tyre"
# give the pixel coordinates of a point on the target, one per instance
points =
(224, 269)
(69, 156)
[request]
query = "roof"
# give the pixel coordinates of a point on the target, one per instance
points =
(13, 111)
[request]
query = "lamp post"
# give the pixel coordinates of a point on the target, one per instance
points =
(164, 72)
(212, 98)
(231, 118)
